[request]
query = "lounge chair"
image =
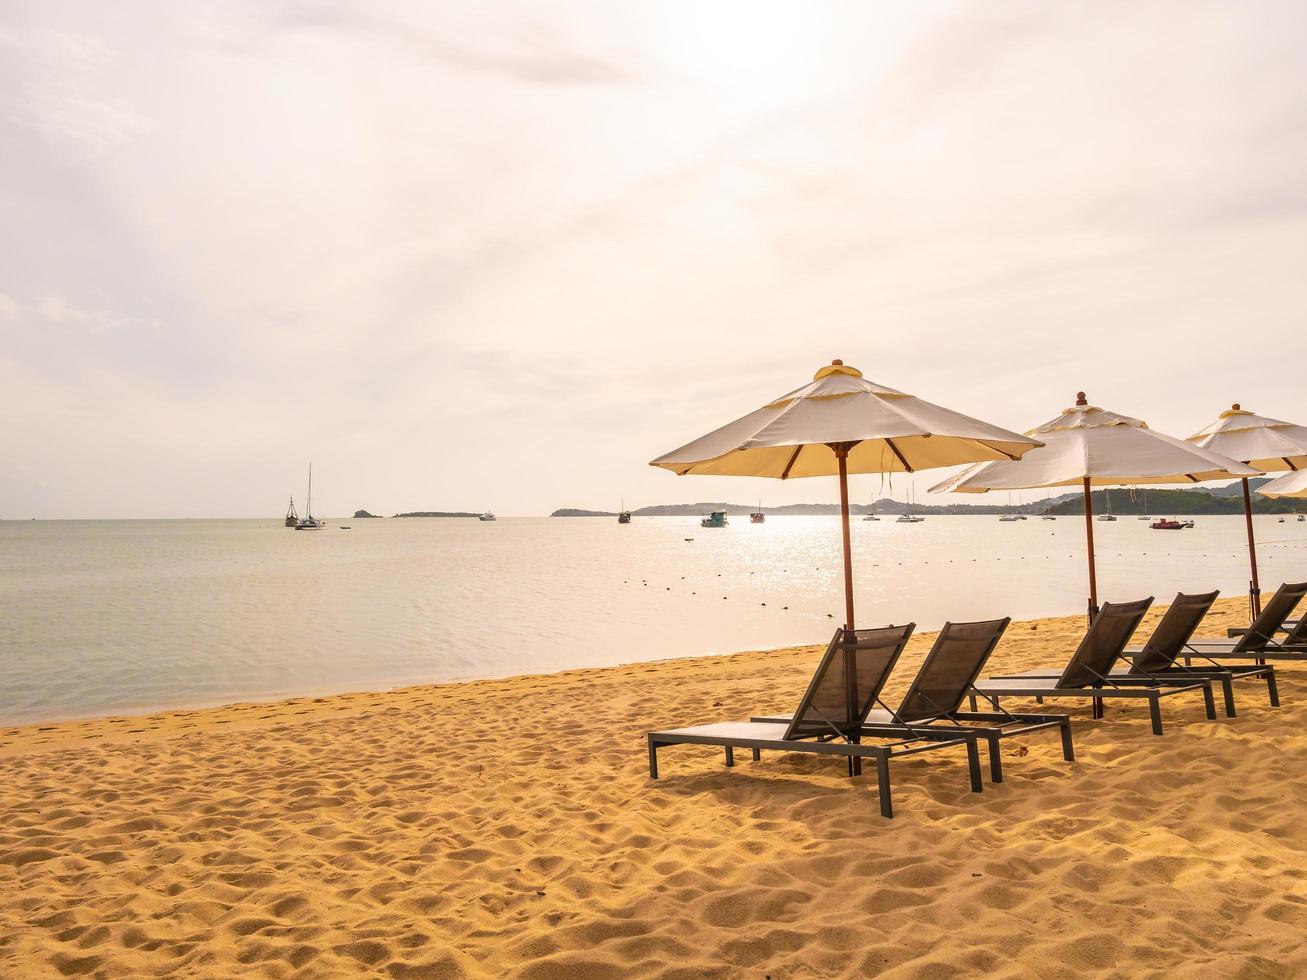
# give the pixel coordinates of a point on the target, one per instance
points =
(1088, 672)
(1159, 658)
(830, 716)
(1257, 642)
(934, 699)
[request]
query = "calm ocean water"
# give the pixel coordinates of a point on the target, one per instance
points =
(100, 617)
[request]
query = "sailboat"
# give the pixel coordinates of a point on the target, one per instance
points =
(1108, 516)
(909, 517)
(623, 515)
(292, 518)
(1009, 518)
(1144, 516)
(308, 522)
(1048, 507)
(758, 517)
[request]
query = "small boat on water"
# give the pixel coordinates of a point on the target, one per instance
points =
(487, 516)
(292, 518)
(758, 517)
(623, 515)
(1008, 519)
(1109, 516)
(716, 519)
(1302, 517)
(871, 517)
(1166, 524)
(308, 522)
(908, 519)
(1047, 517)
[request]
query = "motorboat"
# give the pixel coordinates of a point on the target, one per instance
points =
(871, 517)
(908, 519)
(1166, 524)
(1008, 519)
(716, 519)
(487, 516)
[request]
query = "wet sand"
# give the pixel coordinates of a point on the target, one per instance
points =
(509, 828)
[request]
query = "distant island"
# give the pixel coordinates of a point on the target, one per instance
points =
(1125, 500)
(437, 513)
(360, 514)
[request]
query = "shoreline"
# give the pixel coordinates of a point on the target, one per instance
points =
(508, 827)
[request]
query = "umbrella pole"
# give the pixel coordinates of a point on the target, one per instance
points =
(1089, 537)
(850, 672)
(1254, 589)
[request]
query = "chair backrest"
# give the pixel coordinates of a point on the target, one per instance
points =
(1262, 632)
(848, 680)
(951, 667)
(1104, 642)
(1166, 645)
(1297, 635)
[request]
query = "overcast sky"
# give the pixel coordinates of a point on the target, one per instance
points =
(501, 255)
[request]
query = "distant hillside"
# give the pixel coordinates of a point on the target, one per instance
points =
(1162, 502)
(437, 513)
(1236, 489)
(1167, 503)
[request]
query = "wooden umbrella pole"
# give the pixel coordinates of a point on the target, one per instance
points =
(1254, 588)
(842, 454)
(1089, 537)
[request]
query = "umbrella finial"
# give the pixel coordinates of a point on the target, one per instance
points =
(1235, 406)
(836, 366)
(1080, 399)
(838, 362)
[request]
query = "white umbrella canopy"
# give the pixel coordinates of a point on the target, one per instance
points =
(841, 423)
(1087, 446)
(1290, 485)
(888, 432)
(1267, 444)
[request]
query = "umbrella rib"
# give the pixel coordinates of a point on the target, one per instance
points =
(1289, 463)
(895, 449)
(786, 472)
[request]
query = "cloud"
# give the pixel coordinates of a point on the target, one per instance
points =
(54, 309)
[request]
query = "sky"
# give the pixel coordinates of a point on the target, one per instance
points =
(501, 255)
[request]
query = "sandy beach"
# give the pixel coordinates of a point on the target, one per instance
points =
(509, 828)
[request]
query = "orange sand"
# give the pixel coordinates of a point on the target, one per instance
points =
(508, 828)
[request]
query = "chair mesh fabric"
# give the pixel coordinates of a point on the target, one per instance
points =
(1166, 645)
(848, 680)
(1274, 613)
(951, 667)
(1104, 642)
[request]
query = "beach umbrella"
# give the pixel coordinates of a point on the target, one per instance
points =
(1262, 443)
(1090, 447)
(838, 424)
(1290, 485)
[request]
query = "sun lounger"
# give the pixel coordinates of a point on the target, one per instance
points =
(830, 716)
(1258, 642)
(1088, 672)
(934, 700)
(1159, 658)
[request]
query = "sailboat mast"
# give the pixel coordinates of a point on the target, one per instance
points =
(309, 503)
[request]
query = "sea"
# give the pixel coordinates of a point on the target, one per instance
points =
(121, 617)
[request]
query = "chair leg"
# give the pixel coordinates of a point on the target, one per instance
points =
(1209, 701)
(972, 699)
(973, 764)
(757, 754)
(882, 786)
(995, 758)
(1155, 711)
(1227, 695)
(653, 759)
(730, 756)
(1039, 699)
(1272, 690)
(1068, 750)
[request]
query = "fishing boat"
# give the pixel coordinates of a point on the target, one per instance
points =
(308, 522)
(716, 519)
(1109, 516)
(623, 515)
(292, 518)
(487, 516)
(1166, 524)
(758, 517)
